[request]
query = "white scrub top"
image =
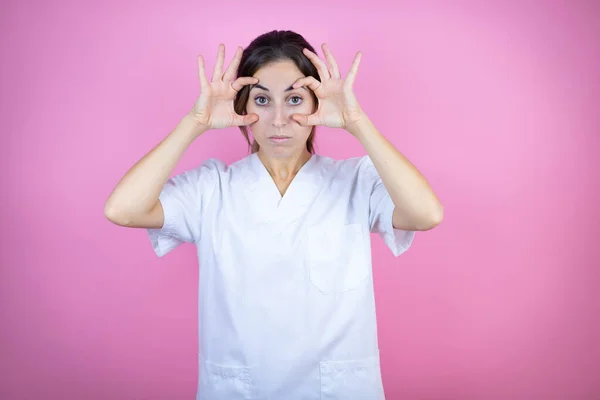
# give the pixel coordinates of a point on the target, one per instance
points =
(286, 301)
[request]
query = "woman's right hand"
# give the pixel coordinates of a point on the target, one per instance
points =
(214, 108)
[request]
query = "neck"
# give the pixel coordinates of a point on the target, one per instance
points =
(285, 168)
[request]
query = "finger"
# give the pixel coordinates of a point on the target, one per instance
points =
(233, 66)
(239, 83)
(218, 70)
(310, 81)
(306, 120)
(353, 69)
(333, 67)
(319, 64)
(202, 72)
(241, 120)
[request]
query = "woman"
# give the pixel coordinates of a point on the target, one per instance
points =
(286, 302)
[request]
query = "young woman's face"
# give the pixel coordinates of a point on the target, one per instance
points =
(273, 100)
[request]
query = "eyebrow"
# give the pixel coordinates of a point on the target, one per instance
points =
(259, 86)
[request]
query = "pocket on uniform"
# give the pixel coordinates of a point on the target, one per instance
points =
(352, 380)
(337, 258)
(224, 382)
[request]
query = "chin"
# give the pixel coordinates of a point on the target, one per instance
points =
(279, 150)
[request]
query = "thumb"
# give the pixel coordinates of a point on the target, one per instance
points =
(245, 119)
(305, 120)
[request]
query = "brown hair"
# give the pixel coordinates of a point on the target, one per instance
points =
(267, 48)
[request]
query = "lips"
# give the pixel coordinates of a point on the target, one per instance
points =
(279, 139)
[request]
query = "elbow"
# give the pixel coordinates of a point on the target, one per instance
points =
(433, 219)
(114, 214)
(437, 216)
(424, 220)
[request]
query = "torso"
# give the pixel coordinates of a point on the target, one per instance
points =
(282, 187)
(286, 302)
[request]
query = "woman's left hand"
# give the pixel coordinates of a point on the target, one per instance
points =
(338, 107)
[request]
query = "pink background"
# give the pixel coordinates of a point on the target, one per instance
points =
(495, 102)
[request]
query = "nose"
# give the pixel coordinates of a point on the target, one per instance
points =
(280, 118)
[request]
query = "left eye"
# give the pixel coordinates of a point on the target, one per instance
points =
(297, 98)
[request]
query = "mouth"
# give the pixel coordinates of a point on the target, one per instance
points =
(279, 138)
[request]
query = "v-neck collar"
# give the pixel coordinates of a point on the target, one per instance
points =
(302, 190)
(264, 173)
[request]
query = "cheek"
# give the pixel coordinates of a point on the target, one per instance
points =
(252, 108)
(306, 107)
(259, 127)
(310, 103)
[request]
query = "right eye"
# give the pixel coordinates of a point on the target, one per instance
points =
(261, 100)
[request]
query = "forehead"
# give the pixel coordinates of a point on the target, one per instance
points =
(278, 75)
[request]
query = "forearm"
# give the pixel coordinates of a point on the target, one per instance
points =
(417, 206)
(138, 190)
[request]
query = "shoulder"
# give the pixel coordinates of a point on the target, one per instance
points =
(346, 166)
(196, 177)
(214, 164)
(215, 167)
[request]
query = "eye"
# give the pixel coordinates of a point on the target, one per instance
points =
(261, 100)
(297, 99)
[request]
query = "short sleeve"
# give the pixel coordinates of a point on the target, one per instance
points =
(184, 198)
(381, 209)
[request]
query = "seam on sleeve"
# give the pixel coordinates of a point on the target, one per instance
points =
(397, 240)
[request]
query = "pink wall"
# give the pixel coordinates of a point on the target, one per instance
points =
(496, 103)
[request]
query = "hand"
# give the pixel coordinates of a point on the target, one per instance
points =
(214, 107)
(338, 107)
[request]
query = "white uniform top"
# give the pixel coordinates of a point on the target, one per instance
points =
(286, 301)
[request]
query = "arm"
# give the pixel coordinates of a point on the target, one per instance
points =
(417, 207)
(134, 201)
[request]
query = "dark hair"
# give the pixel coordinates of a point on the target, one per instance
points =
(267, 48)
